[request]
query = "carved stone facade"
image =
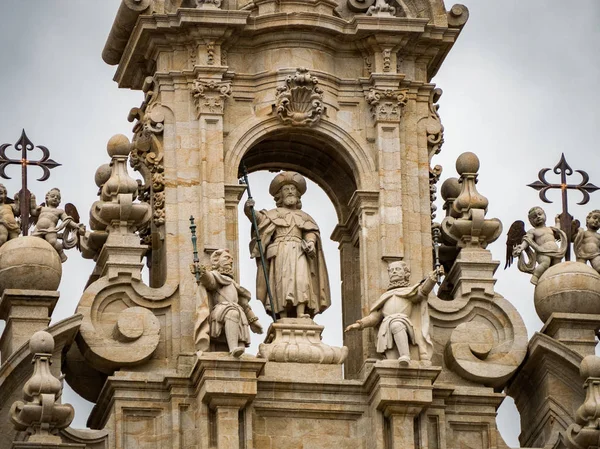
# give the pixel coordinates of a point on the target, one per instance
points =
(340, 92)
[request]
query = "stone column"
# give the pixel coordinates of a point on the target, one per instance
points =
(227, 386)
(25, 312)
(233, 194)
(398, 395)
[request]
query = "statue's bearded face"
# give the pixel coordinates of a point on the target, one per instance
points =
(399, 274)
(225, 264)
(290, 195)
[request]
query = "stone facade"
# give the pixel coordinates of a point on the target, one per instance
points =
(340, 93)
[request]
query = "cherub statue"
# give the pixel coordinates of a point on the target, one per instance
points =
(9, 228)
(230, 315)
(587, 243)
(538, 244)
(402, 315)
(47, 216)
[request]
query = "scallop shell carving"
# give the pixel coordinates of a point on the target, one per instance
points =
(300, 100)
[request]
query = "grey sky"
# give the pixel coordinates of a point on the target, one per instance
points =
(519, 89)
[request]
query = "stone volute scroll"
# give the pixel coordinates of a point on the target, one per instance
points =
(210, 95)
(481, 335)
(120, 327)
(386, 104)
(41, 414)
(299, 102)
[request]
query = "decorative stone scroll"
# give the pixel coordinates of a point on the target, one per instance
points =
(210, 96)
(434, 127)
(42, 415)
(299, 102)
(386, 105)
(147, 154)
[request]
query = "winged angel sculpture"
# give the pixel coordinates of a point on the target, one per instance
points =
(537, 249)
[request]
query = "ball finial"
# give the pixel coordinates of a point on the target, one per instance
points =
(467, 163)
(118, 145)
(102, 174)
(450, 189)
(41, 342)
(590, 367)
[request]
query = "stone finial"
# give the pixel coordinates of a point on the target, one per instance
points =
(115, 211)
(586, 432)
(467, 225)
(42, 415)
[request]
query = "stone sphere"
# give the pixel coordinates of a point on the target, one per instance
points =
(29, 263)
(118, 145)
(590, 367)
(450, 189)
(102, 174)
(467, 163)
(41, 342)
(569, 287)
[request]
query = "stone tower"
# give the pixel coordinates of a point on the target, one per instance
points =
(340, 92)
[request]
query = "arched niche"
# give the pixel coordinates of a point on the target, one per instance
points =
(332, 159)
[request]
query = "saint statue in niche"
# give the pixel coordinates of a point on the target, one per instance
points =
(293, 252)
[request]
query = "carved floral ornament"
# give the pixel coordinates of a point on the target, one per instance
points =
(299, 102)
(386, 105)
(147, 154)
(210, 96)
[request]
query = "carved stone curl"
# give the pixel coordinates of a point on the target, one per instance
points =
(467, 225)
(586, 432)
(208, 4)
(381, 8)
(42, 415)
(210, 96)
(386, 105)
(434, 127)
(300, 101)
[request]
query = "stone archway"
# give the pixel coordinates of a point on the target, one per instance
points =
(340, 171)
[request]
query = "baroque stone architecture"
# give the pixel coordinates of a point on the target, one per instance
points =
(338, 91)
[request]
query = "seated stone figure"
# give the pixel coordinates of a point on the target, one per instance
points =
(587, 243)
(402, 315)
(230, 313)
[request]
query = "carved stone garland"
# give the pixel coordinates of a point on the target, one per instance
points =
(210, 95)
(300, 101)
(146, 155)
(386, 105)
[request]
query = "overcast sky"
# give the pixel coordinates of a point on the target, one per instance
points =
(520, 87)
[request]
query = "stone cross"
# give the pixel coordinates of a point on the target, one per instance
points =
(585, 187)
(45, 163)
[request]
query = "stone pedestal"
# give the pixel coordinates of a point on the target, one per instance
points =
(299, 340)
(25, 312)
(577, 331)
(401, 394)
(227, 385)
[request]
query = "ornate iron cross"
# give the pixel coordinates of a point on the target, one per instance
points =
(45, 163)
(585, 187)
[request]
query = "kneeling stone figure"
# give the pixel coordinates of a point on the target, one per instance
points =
(402, 315)
(230, 311)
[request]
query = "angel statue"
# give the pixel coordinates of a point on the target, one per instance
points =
(536, 249)
(9, 227)
(587, 243)
(46, 217)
